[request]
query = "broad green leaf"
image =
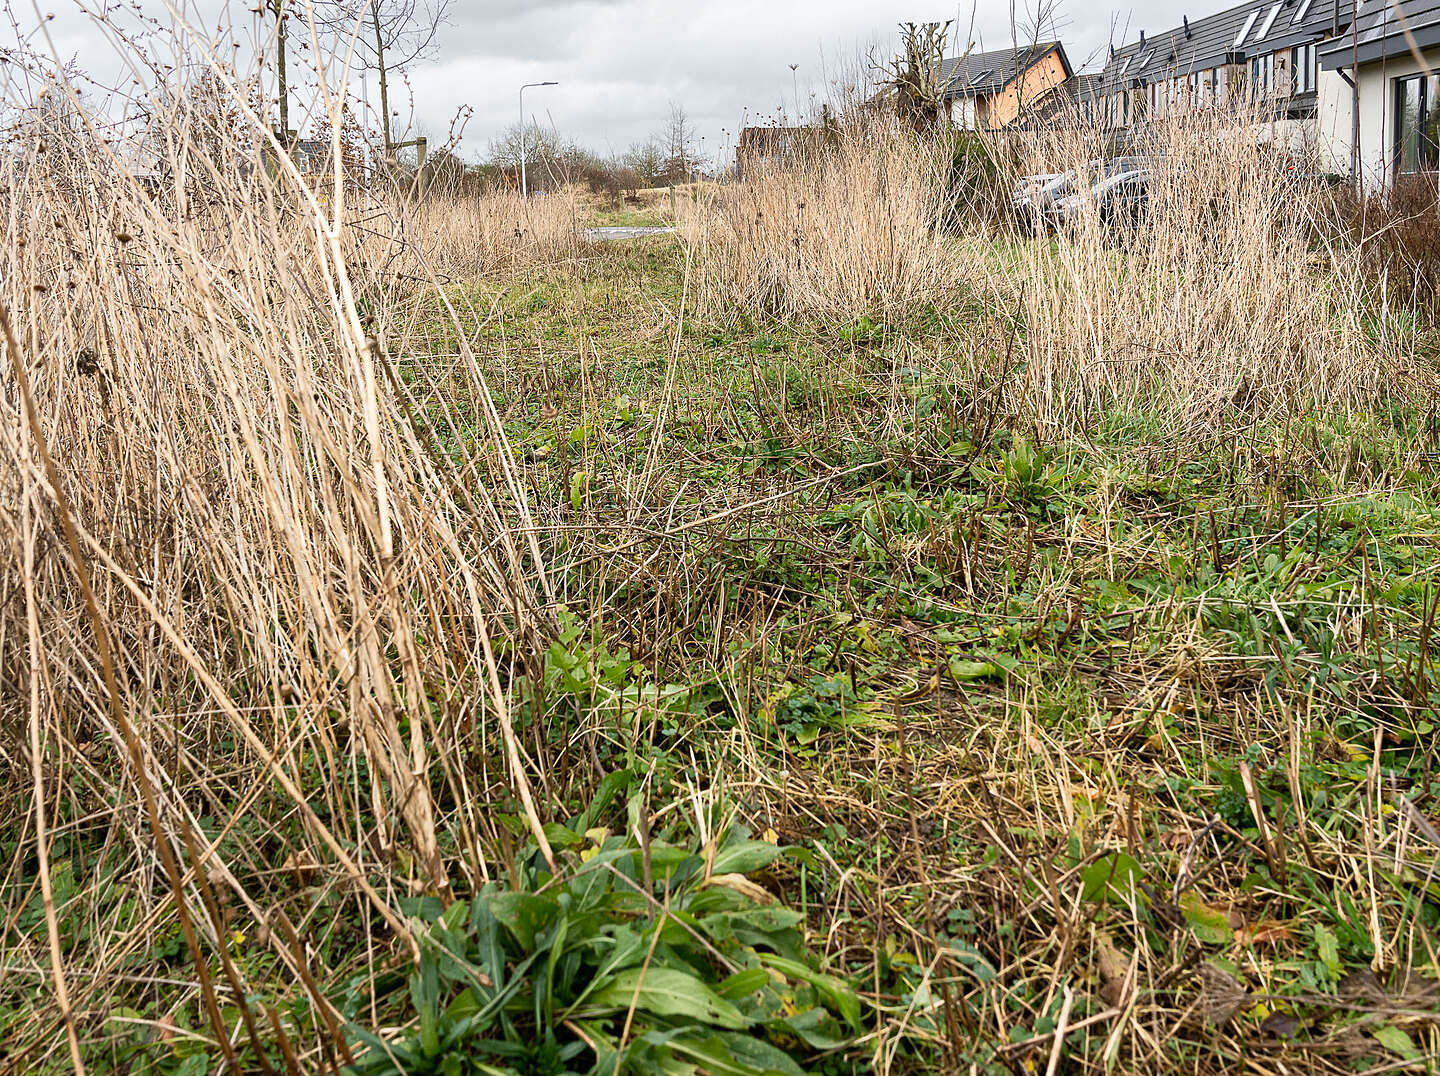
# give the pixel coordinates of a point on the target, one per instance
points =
(1111, 877)
(834, 990)
(735, 1055)
(817, 1028)
(667, 992)
(745, 857)
(964, 670)
(523, 915)
(743, 983)
(562, 837)
(465, 1005)
(611, 785)
(1397, 1042)
(1329, 949)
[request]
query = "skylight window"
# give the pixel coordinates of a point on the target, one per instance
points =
(1245, 30)
(981, 77)
(1125, 66)
(1300, 15)
(1144, 62)
(1269, 22)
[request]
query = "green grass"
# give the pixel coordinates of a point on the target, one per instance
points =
(655, 217)
(998, 734)
(1142, 726)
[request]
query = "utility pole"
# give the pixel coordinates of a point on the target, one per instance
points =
(524, 188)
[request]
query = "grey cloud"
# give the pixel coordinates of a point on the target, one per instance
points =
(620, 62)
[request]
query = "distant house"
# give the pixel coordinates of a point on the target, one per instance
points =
(1261, 54)
(312, 156)
(1382, 93)
(1351, 86)
(989, 91)
(1079, 100)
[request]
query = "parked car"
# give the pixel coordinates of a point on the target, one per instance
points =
(1035, 194)
(1035, 204)
(1118, 199)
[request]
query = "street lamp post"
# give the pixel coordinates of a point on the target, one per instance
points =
(524, 189)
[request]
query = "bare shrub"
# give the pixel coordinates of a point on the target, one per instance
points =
(1396, 238)
(1216, 308)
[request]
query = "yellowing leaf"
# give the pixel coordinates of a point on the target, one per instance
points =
(738, 882)
(1210, 924)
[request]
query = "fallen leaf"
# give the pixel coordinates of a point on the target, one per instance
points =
(301, 865)
(1361, 985)
(1397, 1042)
(1265, 932)
(1280, 1025)
(1114, 969)
(1210, 924)
(1221, 994)
(738, 882)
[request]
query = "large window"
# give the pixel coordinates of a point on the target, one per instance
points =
(1262, 74)
(1302, 68)
(1417, 124)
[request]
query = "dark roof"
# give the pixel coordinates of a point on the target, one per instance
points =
(979, 73)
(1386, 32)
(1200, 44)
(1065, 102)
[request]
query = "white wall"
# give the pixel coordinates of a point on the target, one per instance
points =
(1332, 121)
(1377, 115)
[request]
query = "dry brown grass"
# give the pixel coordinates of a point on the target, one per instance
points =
(273, 582)
(469, 236)
(846, 230)
(226, 520)
(1230, 301)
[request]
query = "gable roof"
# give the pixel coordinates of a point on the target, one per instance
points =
(1391, 30)
(977, 74)
(1255, 27)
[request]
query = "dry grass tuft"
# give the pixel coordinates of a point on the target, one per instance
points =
(246, 577)
(846, 229)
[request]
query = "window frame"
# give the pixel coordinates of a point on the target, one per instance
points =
(1427, 150)
(1245, 30)
(1269, 23)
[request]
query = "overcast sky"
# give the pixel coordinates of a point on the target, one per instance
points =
(621, 62)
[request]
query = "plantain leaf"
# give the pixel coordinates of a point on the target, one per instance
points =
(667, 992)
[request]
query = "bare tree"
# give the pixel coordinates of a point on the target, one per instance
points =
(391, 35)
(543, 148)
(275, 9)
(914, 78)
(647, 159)
(678, 139)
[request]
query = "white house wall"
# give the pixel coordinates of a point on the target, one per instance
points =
(1333, 122)
(1377, 116)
